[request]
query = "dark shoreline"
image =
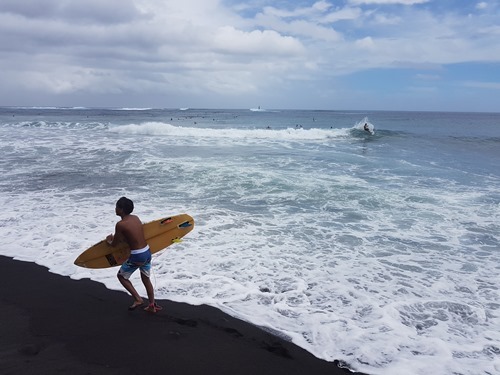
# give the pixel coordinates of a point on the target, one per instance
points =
(53, 324)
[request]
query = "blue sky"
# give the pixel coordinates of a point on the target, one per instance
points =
(353, 54)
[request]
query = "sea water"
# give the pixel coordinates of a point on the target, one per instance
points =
(380, 250)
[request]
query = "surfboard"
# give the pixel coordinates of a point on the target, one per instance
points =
(159, 234)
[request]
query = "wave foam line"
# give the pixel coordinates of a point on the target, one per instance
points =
(164, 129)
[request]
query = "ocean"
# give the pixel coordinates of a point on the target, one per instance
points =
(379, 249)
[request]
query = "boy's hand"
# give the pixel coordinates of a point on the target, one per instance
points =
(109, 239)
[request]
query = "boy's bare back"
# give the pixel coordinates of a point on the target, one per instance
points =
(131, 230)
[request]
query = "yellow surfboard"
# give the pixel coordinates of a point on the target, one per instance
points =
(159, 234)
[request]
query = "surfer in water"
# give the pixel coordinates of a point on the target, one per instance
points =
(366, 127)
(129, 229)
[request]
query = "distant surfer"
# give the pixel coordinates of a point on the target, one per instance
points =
(366, 127)
(129, 229)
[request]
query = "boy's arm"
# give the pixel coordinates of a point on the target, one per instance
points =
(113, 240)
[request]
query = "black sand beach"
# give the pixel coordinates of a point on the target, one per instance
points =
(51, 324)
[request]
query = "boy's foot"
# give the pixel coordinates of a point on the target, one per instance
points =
(153, 307)
(135, 305)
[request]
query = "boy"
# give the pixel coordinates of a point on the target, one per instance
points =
(129, 229)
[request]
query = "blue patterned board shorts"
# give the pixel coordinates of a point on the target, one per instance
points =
(141, 260)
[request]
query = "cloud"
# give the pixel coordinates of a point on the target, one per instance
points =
(482, 85)
(428, 77)
(315, 9)
(482, 5)
(204, 47)
(388, 2)
(313, 22)
(365, 43)
(227, 39)
(89, 11)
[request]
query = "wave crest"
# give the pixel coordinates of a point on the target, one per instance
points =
(165, 129)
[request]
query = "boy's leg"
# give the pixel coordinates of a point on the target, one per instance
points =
(149, 288)
(126, 270)
(130, 288)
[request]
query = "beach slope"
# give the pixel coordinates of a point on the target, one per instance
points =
(53, 324)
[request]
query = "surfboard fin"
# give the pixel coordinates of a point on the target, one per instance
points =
(185, 224)
(166, 221)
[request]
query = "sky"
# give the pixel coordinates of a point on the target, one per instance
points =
(422, 55)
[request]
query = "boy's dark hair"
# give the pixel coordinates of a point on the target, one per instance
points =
(126, 205)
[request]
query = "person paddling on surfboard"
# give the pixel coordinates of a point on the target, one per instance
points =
(129, 229)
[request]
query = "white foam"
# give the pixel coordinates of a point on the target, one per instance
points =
(165, 129)
(365, 122)
(134, 109)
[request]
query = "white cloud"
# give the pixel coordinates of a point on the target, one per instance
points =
(315, 9)
(268, 42)
(365, 43)
(482, 5)
(344, 14)
(384, 19)
(382, 2)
